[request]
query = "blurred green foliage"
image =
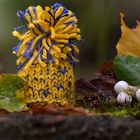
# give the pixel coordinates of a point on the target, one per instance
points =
(98, 19)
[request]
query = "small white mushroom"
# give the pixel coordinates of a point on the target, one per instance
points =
(128, 98)
(121, 86)
(138, 95)
(121, 98)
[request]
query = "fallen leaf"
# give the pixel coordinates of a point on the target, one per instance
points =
(100, 89)
(9, 101)
(129, 43)
(53, 109)
(83, 84)
(107, 69)
(127, 68)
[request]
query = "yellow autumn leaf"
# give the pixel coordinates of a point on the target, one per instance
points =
(129, 43)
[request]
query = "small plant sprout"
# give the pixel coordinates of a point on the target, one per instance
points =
(138, 95)
(132, 90)
(121, 86)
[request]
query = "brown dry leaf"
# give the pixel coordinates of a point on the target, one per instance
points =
(70, 110)
(107, 68)
(3, 112)
(51, 109)
(100, 89)
(129, 43)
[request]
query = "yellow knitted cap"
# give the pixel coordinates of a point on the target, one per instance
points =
(48, 48)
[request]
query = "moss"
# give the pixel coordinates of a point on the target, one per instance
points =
(135, 110)
(111, 109)
(119, 111)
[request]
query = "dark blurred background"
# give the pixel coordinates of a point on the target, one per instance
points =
(99, 21)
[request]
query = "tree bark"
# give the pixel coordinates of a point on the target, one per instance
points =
(62, 127)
